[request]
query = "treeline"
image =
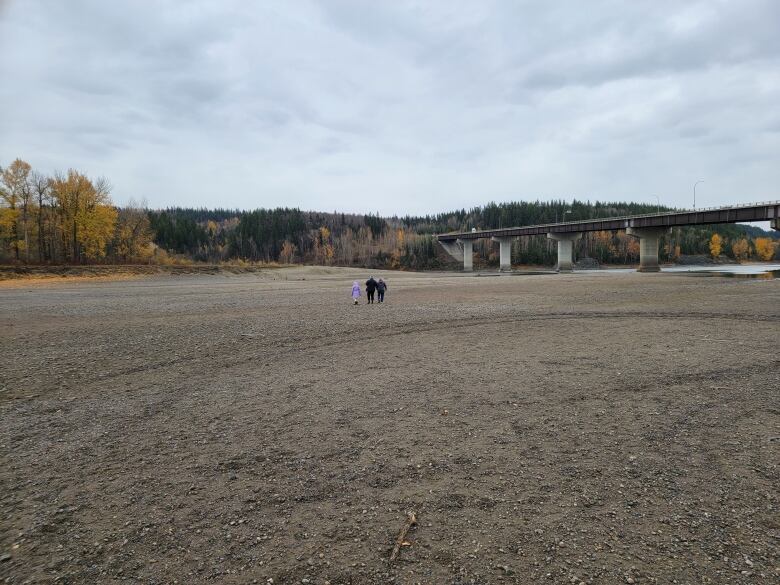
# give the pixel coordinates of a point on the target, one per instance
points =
(69, 218)
(293, 236)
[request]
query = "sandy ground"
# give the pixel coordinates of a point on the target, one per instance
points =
(586, 428)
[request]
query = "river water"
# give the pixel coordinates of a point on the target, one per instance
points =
(727, 270)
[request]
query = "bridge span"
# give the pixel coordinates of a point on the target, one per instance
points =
(648, 228)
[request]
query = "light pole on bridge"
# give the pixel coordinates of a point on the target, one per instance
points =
(694, 191)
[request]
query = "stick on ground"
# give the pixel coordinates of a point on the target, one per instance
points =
(411, 520)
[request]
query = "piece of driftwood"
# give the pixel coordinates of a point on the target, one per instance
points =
(411, 520)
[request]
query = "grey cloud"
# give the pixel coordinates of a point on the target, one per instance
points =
(395, 106)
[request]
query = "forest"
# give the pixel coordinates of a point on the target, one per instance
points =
(69, 218)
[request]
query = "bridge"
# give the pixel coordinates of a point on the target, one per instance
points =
(648, 228)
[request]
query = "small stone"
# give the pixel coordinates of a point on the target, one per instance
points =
(5, 557)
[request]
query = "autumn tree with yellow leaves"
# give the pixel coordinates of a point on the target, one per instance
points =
(398, 249)
(16, 194)
(88, 217)
(766, 248)
(323, 246)
(287, 255)
(66, 218)
(741, 249)
(716, 245)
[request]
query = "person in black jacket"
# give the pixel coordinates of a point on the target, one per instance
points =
(370, 288)
(381, 287)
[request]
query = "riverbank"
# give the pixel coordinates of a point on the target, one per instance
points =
(109, 271)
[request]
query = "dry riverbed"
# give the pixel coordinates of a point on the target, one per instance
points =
(585, 428)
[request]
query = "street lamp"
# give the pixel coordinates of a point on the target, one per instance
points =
(564, 214)
(657, 198)
(694, 191)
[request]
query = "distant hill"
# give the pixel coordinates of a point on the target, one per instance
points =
(292, 235)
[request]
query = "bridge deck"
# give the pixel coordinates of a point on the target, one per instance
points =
(733, 214)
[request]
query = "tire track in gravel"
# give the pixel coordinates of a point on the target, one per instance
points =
(327, 340)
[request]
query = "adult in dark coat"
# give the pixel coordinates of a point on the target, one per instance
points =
(381, 287)
(370, 288)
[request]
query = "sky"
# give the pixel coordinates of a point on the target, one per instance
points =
(397, 107)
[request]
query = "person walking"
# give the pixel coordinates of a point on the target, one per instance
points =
(355, 291)
(370, 288)
(381, 287)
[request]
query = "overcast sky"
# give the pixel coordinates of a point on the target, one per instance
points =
(397, 107)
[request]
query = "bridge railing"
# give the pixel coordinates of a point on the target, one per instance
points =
(629, 217)
(675, 212)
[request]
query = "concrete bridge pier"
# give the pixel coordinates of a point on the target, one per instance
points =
(468, 254)
(505, 249)
(565, 248)
(648, 247)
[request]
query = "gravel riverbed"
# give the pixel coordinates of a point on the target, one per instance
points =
(241, 428)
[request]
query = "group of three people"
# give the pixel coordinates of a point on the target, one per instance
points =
(371, 286)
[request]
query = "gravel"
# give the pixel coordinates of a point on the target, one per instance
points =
(584, 428)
